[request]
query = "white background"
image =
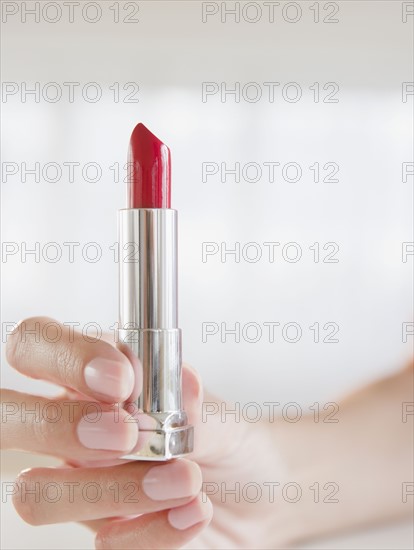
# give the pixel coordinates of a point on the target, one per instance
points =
(169, 54)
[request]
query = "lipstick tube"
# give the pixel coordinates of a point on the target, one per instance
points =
(149, 327)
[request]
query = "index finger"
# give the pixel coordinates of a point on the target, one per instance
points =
(41, 347)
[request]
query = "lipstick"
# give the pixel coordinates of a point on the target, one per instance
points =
(149, 171)
(148, 300)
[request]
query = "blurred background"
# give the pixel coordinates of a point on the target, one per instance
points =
(288, 125)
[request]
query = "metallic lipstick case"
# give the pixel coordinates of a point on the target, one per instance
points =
(148, 326)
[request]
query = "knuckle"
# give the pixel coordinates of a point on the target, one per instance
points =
(46, 431)
(11, 346)
(68, 361)
(18, 341)
(41, 432)
(25, 500)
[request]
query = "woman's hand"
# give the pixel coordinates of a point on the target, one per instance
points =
(88, 428)
(241, 467)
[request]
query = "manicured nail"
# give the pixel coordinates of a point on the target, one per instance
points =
(103, 430)
(199, 509)
(178, 479)
(112, 379)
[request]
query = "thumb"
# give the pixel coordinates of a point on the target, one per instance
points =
(216, 436)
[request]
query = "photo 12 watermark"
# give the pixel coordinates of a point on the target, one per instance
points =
(269, 172)
(269, 12)
(69, 92)
(43, 11)
(269, 92)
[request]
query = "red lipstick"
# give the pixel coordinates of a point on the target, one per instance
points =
(148, 301)
(149, 170)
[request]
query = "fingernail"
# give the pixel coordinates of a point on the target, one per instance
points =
(112, 379)
(178, 479)
(199, 509)
(105, 431)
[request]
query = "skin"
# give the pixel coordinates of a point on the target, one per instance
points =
(366, 456)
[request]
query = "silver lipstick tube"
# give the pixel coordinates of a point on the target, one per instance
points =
(148, 327)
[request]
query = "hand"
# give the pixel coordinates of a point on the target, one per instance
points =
(89, 430)
(241, 462)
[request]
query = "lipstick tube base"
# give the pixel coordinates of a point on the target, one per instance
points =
(163, 444)
(164, 432)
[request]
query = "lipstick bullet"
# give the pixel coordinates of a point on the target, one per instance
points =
(149, 170)
(148, 300)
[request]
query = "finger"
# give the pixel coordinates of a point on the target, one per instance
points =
(162, 530)
(40, 347)
(74, 430)
(205, 440)
(212, 426)
(48, 495)
(192, 394)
